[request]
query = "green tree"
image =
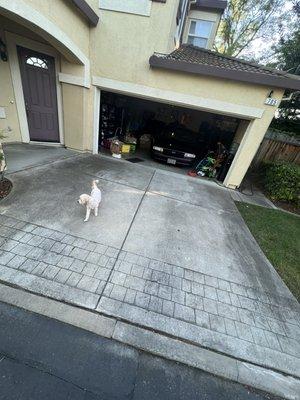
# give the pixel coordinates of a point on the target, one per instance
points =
(244, 21)
(288, 59)
(288, 53)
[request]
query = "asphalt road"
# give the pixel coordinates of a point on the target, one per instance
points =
(43, 359)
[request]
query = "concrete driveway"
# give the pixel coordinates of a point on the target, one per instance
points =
(167, 252)
(152, 213)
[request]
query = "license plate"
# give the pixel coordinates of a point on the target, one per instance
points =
(171, 161)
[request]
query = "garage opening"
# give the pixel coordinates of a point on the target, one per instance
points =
(184, 139)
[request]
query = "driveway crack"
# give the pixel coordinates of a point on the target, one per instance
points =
(43, 369)
(127, 233)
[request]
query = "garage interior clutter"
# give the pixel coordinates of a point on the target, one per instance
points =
(201, 143)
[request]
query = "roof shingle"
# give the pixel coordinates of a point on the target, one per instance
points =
(196, 60)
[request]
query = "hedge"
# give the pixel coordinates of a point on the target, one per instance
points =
(282, 181)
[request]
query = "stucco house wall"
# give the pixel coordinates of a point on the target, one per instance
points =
(71, 47)
(122, 43)
(66, 18)
(213, 95)
(114, 56)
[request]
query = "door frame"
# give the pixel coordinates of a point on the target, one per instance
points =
(13, 41)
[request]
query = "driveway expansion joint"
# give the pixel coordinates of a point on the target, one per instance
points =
(126, 235)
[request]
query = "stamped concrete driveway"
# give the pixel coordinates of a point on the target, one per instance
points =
(152, 213)
(166, 252)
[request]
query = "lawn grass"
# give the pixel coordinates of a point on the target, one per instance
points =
(278, 235)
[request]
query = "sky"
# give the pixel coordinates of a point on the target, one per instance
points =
(260, 48)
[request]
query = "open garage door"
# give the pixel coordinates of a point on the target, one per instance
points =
(150, 131)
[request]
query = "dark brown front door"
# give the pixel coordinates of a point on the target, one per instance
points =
(39, 87)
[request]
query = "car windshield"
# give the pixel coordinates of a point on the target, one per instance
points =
(181, 135)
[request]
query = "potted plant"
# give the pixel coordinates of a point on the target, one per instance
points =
(5, 184)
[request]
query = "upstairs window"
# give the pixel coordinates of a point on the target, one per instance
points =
(199, 32)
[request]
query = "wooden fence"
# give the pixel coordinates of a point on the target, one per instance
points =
(274, 150)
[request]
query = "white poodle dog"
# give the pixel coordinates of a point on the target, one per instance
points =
(91, 202)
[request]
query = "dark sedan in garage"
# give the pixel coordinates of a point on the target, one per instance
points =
(177, 145)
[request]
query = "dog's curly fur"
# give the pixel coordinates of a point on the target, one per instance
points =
(92, 201)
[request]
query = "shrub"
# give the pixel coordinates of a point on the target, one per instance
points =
(282, 181)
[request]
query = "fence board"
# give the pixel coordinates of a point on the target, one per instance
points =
(272, 150)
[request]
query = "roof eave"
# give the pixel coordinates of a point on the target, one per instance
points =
(241, 76)
(86, 11)
(219, 5)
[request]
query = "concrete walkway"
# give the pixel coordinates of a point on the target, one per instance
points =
(167, 253)
(250, 194)
(21, 156)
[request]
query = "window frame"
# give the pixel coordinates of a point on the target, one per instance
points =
(37, 62)
(137, 7)
(197, 36)
(181, 19)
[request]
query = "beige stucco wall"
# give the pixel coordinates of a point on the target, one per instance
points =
(145, 35)
(89, 119)
(65, 16)
(73, 106)
(78, 117)
(73, 115)
(235, 94)
(7, 101)
(253, 136)
(122, 43)
(119, 49)
(243, 125)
